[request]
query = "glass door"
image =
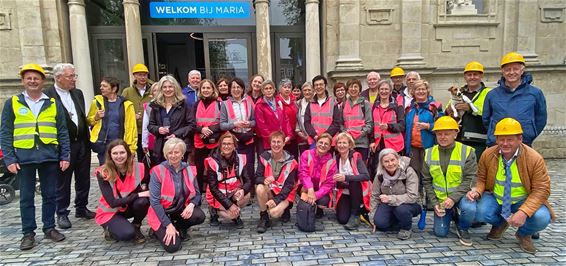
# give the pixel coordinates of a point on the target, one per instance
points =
(289, 54)
(228, 55)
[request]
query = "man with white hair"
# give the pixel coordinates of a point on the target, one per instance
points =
(190, 91)
(371, 93)
(410, 80)
(72, 100)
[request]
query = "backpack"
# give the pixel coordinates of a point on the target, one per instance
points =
(306, 216)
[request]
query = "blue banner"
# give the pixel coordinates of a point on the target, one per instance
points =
(199, 9)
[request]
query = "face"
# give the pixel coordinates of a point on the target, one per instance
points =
(223, 87)
(354, 90)
(207, 90)
(285, 90)
(398, 80)
(340, 93)
(411, 79)
(168, 89)
(194, 80)
(227, 147)
(296, 92)
(509, 144)
(67, 80)
(390, 163)
(237, 90)
(473, 78)
(342, 145)
(119, 155)
(372, 81)
(256, 83)
(277, 144)
(308, 93)
(32, 81)
(141, 78)
(384, 91)
(154, 90)
(319, 87)
(323, 145)
(268, 91)
(512, 72)
(106, 89)
(421, 93)
(175, 155)
(446, 138)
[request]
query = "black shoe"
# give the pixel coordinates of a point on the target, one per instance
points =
(63, 222)
(286, 216)
(477, 225)
(108, 236)
(319, 213)
(465, 238)
(184, 234)
(86, 214)
(318, 227)
(353, 223)
(54, 235)
(264, 222)
(213, 217)
(536, 236)
(238, 223)
(139, 238)
(27, 241)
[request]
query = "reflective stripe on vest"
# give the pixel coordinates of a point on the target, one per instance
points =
(277, 184)
(232, 181)
(354, 120)
(479, 99)
(366, 185)
(206, 116)
(518, 191)
(391, 140)
(232, 115)
(27, 126)
(323, 172)
(444, 185)
(321, 115)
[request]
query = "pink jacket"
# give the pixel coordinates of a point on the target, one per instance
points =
(308, 178)
(268, 121)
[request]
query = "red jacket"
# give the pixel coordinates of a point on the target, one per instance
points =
(268, 121)
(290, 110)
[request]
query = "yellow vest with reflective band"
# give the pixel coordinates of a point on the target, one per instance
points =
(26, 126)
(518, 191)
(444, 185)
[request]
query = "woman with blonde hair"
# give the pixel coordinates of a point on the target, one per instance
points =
(169, 117)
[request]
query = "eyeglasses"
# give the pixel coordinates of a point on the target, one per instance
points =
(73, 76)
(227, 144)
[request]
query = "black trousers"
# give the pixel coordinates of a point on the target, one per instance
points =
(119, 226)
(180, 223)
(349, 204)
(80, 167)
(200, 155)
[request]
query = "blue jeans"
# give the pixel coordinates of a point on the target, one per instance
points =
(489, 211)
(48, 175)
(463, 222)
(393, 218)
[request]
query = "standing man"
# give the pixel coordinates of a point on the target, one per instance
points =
(397, 76)
(515, 97)
(322, 114)
(73, 103)
(512, 188)
(139, 93)
(191, 91)
(473, 132)
(372, 92)
(35, 139)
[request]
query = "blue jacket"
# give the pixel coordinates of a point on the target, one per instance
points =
(526, 104)
(426, 115)
(41, 152)
(190, 95)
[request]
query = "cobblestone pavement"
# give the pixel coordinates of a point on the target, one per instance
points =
(284, 244)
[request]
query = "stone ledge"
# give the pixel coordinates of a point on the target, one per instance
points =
(551, 144)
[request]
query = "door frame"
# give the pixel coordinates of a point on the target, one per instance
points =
(231, 35)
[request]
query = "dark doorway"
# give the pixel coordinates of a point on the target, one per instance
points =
(179, 53)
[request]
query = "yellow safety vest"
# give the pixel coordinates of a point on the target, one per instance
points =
(27, 126)
(518, 191)
(444, 185)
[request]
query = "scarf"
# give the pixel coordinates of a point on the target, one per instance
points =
(388, 179)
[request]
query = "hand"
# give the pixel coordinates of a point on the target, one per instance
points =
(145, 150)
(438, 212)
(373, 147)
(170, 136)
(163, 130)
(311, 196)
(302, 135)
(239, 194)
(462, 107)
(383, 126)
(316, 137)
(143, 194)
(143, 186)
(13, 168)
(287, 139)
(246, 124)
(235, 210)
(268, 180)
(384, 198)
(64, 165)
(339, 177)
(99, 115)
(138, 115)
(170, 234)
(239, 124)
(517, 219)
(472, 195)
(206, 131)
(188, 211)
(448, 203)
(270, 204)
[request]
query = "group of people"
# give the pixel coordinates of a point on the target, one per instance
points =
(369, 154)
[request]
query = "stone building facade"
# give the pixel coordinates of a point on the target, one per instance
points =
(339, 38)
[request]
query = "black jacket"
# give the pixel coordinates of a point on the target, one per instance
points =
(245, 179)
(78, 132)
(289, 182)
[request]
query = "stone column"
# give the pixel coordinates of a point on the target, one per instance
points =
(134, 42)
(312, 39)
(31, 34)
(349, 36)
(411, 33)
(80, 49)
(527, 26)
(263, 38)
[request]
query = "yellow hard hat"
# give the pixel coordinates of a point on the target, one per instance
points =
(140, 68)
(445, 123)
(397, 71)
(32, 67)
(508, 126)
(512, 57)
(474, 66)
